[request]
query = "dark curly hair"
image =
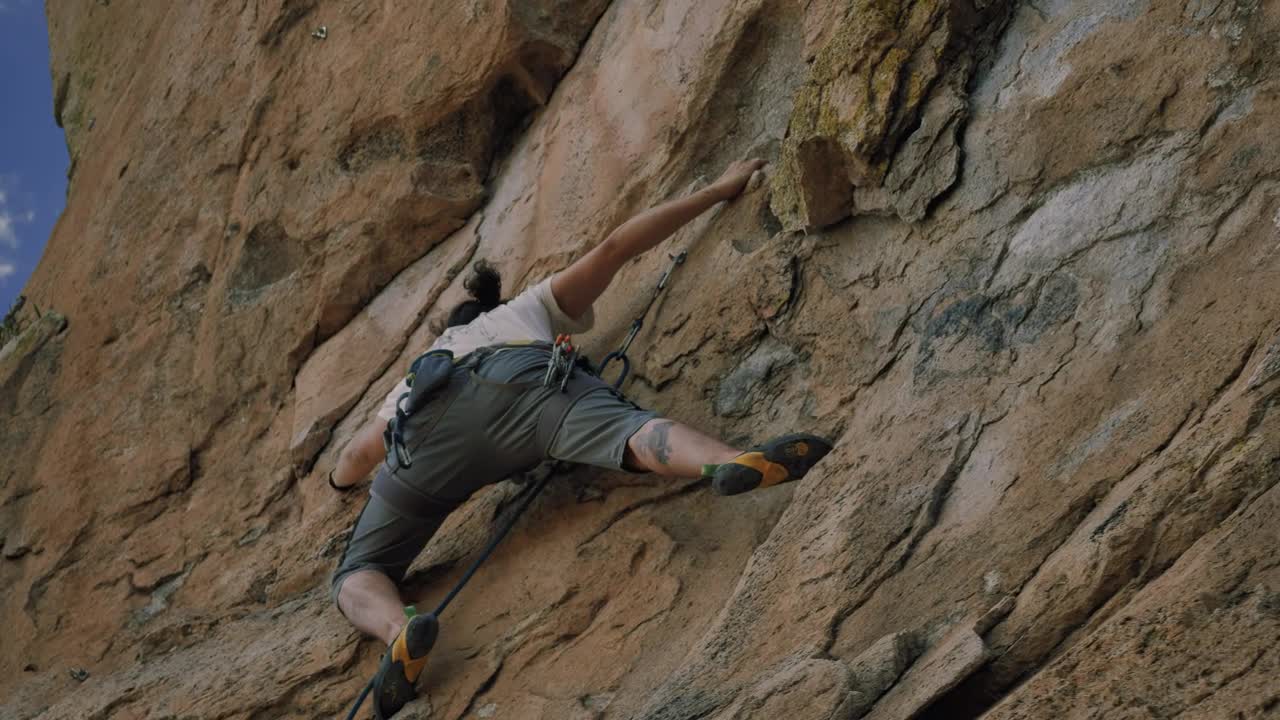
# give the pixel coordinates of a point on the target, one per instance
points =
(485, 287)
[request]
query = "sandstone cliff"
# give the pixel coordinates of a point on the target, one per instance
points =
(1022, 259)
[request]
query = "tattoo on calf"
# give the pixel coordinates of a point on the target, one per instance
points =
(658, 441)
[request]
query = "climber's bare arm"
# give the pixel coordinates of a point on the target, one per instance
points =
(577, 286)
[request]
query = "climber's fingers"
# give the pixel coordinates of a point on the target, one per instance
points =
(735, 177)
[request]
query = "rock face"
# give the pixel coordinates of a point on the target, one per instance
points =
(1021, 260)
(888, 70)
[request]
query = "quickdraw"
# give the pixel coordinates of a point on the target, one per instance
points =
(564, 357)
(621, 353)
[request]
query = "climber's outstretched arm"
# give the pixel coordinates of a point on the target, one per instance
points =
(577, 287)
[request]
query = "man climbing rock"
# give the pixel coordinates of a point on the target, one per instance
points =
(494, 415)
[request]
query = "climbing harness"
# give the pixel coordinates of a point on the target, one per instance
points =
(428, 374)
(621, 353)
(433, 370)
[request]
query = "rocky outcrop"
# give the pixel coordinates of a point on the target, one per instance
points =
(875, 127)
(1017, 258)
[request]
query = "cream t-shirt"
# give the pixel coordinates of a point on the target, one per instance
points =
(533, 315)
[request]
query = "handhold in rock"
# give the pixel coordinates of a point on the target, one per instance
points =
(998, 612)
(952, 659)
(877, 668)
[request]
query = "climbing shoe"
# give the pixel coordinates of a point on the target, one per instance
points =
(402, 663)
(780, 460)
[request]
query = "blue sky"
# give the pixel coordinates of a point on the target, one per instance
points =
(33, 153)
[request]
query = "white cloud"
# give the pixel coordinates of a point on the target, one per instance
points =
(7, 235)
(6, 269)
(9, 220)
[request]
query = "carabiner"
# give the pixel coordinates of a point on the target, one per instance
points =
(626, 368)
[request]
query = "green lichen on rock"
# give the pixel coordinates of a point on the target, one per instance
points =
(10, 326)
(27, 342)
(865, 90)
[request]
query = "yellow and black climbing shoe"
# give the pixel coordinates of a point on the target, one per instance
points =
(402, 663)
(780, 460)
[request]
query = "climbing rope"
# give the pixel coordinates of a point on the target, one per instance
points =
(621, 353)
(368, 687)
(523, 501)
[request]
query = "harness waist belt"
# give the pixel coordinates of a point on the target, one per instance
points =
(413, 503)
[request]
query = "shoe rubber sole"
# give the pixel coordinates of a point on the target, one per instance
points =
(402, 663)
(782, 459)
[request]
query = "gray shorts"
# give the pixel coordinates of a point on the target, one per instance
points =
(481, 429)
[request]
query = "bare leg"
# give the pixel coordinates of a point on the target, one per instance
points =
(360, 456)
(669, 448)
(372, 603)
